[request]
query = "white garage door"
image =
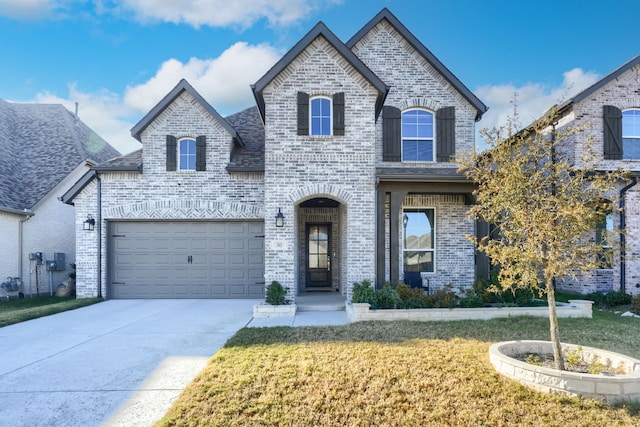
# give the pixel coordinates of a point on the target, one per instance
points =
(186, 259)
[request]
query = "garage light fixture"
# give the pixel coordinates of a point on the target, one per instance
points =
(279, 219)
(89, 224)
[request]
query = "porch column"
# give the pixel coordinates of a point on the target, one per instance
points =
(380, 228)
(397, 198)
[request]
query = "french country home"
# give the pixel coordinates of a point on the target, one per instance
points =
(344, 170)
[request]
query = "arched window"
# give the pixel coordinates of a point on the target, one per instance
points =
(631, 133)
(417, 136)
(187, 155)
(320, 116)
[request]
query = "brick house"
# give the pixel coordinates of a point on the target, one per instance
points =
(32, 220)
(343, 171)
(608, 113)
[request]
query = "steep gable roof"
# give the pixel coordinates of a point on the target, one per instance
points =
(604, 81)
(385, 14)
(40, 144)
(182, 86)
(319, 30)
(249, 158)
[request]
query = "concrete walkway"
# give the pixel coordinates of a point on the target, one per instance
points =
(119, 362)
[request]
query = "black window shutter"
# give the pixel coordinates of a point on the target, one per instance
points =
(171, 153)
(338, 113)
(446, 134)
(391, 134)
(303, 113)
(201, 153)
(612, 117)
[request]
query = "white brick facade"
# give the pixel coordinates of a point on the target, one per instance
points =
(299, 170)
(621, 89)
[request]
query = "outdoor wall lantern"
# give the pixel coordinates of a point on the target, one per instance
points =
(279, 219)
(89, 224)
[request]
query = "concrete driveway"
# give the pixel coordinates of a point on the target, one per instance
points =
(119, 362)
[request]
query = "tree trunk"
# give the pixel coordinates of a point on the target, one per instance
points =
(553, 327)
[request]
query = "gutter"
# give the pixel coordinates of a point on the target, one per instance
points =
(27, 215)
(623, 225)
(99, 232)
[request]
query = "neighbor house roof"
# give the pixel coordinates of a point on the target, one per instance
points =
(385, 14)
(320, 30)
(40, 144)
(182, 86)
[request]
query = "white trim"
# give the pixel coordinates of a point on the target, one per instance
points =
(434, 232)
(178, 154)
(330, 99)
(433, 137)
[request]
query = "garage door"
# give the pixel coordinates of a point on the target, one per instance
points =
(186, 259)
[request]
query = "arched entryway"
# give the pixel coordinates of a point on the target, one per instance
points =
(319, 245)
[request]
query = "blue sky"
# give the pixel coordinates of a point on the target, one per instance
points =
(117, 59)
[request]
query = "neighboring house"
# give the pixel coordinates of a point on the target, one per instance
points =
(44, 150)
(609, 115)
(344, 171)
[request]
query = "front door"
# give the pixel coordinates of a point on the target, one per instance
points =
(318, 255)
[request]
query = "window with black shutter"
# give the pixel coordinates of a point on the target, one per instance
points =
(201, 153)
(446, 134)
(391, 134)
(612, 126)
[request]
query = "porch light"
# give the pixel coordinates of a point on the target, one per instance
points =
(279, 219)
(89, 224)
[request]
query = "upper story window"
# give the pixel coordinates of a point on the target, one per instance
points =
(417, 136)
(631, 133)
(188, 154)
(187, 157)
(320, 117)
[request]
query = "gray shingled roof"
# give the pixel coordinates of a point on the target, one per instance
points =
(249, 158)
(40, 144)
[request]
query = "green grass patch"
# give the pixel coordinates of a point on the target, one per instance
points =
(393, 374)
(18, 310)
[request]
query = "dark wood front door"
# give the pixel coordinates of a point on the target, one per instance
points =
(318, 255)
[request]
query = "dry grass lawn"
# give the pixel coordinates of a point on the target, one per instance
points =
(392, 374)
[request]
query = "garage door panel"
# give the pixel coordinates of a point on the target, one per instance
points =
(186, 259)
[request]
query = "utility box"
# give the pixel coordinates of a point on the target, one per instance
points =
(51, 265)
(59, 259)
(37, 257)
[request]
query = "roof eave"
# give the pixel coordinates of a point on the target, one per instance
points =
(78, 187)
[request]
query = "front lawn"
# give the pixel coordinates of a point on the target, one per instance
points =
(393, 374)
(18, 310)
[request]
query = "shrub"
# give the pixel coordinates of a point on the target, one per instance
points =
(406, 292)
(491, 292)
(613, 299)
(387, 297)
(444, 298)
(276, 293)
(415, 303)
(363, 293)
(597, 297)
(635, 305)
(471, 300)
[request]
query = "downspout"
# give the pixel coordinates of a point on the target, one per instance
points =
(99, 228)
(28, 214)
(623, 225)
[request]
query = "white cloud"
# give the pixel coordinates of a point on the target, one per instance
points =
(222, 13)
(103, 112)
(26, 9)
(223, 81)
(532, 99)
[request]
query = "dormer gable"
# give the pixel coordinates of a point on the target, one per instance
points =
(320, 30)
(183, 86)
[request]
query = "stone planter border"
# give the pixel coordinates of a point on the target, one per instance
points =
(268, 310)
(609, 388)
(362, 311)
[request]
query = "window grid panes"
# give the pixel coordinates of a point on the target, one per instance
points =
(320, 117)
(419, 240)
(187, 154)
(417, 136)
(631, 134)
